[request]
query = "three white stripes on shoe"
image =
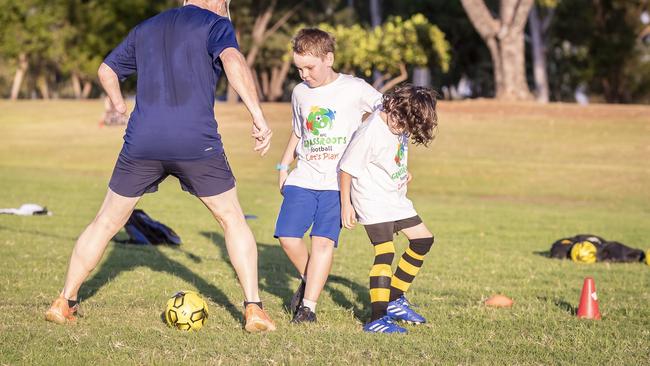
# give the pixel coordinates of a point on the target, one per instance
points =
(392, 307)
(378, 328)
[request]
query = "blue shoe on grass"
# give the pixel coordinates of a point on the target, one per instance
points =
(400, 309)
(383, 325)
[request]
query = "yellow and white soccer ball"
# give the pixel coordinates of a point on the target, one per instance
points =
(584, 252)
(186, 310)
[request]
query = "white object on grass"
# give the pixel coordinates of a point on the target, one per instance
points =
(28, 209)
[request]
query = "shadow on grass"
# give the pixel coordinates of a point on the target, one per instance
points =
(126, 257)
(38, 233)
(276, 274)
(545, 253)
(562, 304)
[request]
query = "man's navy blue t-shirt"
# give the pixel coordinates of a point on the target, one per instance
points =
(176, 57)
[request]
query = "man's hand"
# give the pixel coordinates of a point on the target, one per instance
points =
(348, 216)
(409, 177)
(120, 107)
(262, 135)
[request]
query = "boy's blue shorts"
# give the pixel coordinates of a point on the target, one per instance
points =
(303, 207)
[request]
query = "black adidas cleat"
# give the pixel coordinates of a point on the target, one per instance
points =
(304, 315)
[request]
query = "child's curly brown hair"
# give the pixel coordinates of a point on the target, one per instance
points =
(412, 109)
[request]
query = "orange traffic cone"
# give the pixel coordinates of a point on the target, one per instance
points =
(588, 308)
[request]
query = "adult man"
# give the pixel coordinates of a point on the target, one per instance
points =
(178, 56)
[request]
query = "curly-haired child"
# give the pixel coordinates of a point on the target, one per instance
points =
(373, 182)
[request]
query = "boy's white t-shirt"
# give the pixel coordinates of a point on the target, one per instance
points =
(324, 118)
(377, 161)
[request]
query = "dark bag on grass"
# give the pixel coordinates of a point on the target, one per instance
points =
(614, 251)
(562, 248)
(144, 230)
(606, 251)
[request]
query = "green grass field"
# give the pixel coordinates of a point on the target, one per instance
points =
(498, 186)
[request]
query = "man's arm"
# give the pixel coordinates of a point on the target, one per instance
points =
(111, 84)
(348, 215)
(240, 78)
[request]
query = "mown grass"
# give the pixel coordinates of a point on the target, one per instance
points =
(497, 187)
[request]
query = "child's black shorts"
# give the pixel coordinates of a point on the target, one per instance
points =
(383, 231)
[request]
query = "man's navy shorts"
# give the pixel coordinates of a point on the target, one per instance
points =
(202, 178)
(303, 208)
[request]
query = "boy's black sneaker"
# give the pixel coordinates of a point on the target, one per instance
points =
(304, 315)
(296, 300)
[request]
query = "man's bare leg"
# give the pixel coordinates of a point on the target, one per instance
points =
(92, 242)
(242, 250)
(240, 243)
(88, 251)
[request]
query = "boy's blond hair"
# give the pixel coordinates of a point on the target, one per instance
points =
(313, 41)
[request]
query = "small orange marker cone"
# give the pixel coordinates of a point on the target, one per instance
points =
(588, 308)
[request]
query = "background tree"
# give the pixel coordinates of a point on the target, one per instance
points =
(274, 69)
(32, 36)
(100, 25)
(595, 44)
(539, 21)
(256, 22)
(50, 40)
(504, 37)
(52, 48)
(470, 59)
(265, 31)
(375, 22)
(390, 49)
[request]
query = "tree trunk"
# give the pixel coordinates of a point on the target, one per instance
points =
(539, 55)
(375, 21)
(422, 77)
(403, 76)
(379, 81)
(505, 40)
(87, 89)
(375, 13)
(260, 33)
(513, 60)
(21, 70)
(278, 76)
(266, 84)
(258, 87)
(257, 35)
(76, 84)
(43, 87)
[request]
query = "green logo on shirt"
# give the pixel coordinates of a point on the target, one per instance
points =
(401, 149)
(400, 156)
(319, 118)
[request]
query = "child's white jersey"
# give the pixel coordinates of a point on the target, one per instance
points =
(324, 118)
(377, 160)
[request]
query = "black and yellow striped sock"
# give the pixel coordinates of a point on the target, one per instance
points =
(408, 267)
(380, 278)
